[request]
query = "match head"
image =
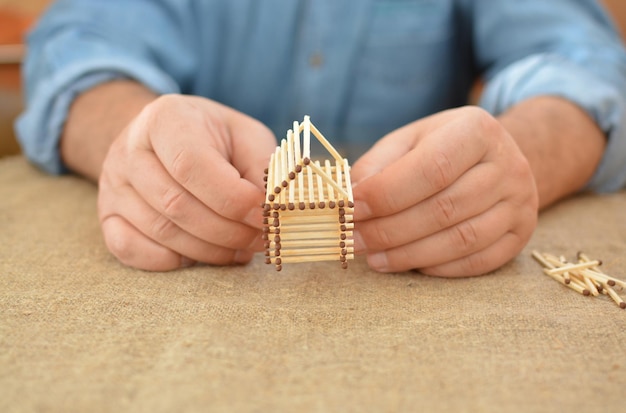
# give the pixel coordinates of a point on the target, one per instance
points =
(622, 305)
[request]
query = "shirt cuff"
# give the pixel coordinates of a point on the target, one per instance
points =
(549, 74)
(40, 126)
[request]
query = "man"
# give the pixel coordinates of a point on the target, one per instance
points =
(173, 107)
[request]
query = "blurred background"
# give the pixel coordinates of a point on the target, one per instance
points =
(16, 16)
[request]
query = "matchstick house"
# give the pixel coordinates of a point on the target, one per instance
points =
(308, 207)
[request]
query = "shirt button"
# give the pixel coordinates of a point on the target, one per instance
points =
(316, 60)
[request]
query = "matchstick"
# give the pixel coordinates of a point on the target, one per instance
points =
(297, 156)
(329, 187)
(277, 171)
(291, 160)
(320, 187)
(284, 163)
(314, 258)
(339, 178)
(311, 187)
(314, 251)
(348, 181)
(618, 300)
(287, 243)
(541, 259)
(269, 192)
(324, 141)
(574, 267)
(312, 228)
(306, 132)
(300, 234)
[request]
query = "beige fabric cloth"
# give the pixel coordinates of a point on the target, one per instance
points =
(80, 332)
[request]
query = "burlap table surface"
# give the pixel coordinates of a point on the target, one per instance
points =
(81, 332)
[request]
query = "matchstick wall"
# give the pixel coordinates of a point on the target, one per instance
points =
(308, 207)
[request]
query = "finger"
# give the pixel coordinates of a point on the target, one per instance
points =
(131, 207)
(449, 207)
(480, 262)
(152, 182)
(252, 145)
(134, 249)
(396, 144)
(201, 161)
(432, 165)
(449, 244)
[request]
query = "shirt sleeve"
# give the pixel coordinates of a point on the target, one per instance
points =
(77, 45)
(559, 48)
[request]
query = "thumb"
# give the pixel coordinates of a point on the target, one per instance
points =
(396, 144)
(252, 145)
(385, 152)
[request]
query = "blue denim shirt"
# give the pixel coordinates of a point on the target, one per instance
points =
(360, 68)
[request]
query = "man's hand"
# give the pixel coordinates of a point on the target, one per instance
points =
(182, 183)
(450, 195)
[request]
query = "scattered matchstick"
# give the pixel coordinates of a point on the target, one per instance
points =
(583, 276)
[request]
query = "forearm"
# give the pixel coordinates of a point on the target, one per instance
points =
(561, 142)
(95, 119)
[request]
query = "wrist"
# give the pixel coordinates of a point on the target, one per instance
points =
(95, 119)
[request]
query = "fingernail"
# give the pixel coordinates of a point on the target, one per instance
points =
(254, 218)
(359, 244)
(257, 244)
(361, 210)
(242, 257)
(378, 261)
(186, 262)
